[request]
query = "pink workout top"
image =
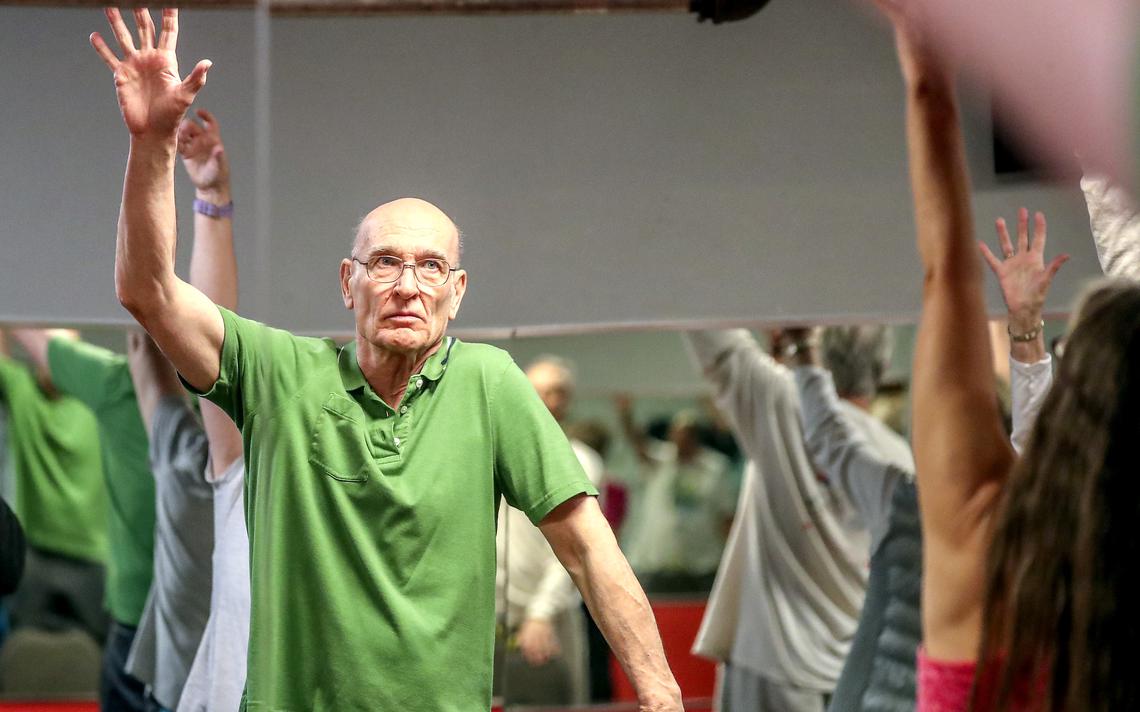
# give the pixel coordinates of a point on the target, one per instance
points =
(945, 686)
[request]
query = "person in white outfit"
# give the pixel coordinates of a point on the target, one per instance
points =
(542, 624)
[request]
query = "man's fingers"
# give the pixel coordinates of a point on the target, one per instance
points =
(1039, 230)
(104, 51)
(197, 77)
(1055, 265)
(146, 28)
(1003, 238)
(991, 259)
(119, 28)
(1022, 230)
(169, 37)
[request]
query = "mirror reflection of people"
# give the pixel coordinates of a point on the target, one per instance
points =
(682, 505)
(790, 586)
(544, 636)
(373, 471)
(216, 676)
(60, 500)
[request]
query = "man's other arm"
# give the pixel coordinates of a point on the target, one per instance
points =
(584, 543)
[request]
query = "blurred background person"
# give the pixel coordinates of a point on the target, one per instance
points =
(683, 503)
(790, 586)
(542, 636)
(101, 380)
(60, 500)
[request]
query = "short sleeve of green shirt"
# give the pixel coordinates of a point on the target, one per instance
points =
(89, 373)
(258, 363)
(535, 466)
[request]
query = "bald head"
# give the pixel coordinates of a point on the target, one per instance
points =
(408, 216)
(553, 378)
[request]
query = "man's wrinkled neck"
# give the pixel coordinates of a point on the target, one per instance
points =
(388, 371)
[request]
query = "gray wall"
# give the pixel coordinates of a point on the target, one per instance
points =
(613, 171)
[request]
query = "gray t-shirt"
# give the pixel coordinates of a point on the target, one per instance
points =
(218, 674)
(179, 602)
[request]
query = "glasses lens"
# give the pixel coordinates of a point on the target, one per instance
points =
(432, 272)
(385, 268)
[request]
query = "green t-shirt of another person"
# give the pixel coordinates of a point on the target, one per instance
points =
(54, 444)
(101, 379)
(372, 529)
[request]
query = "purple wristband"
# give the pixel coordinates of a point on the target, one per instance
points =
(214, 211)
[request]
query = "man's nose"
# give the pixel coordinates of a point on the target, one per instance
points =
(406, 285)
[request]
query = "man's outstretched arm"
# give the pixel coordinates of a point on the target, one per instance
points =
(183, 322)
(584, 543)
(213, 267)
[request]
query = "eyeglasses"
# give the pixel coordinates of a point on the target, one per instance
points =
(430, 271)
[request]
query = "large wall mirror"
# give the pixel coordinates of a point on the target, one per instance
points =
(618, 178)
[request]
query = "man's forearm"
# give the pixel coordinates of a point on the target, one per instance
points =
(213, 268)
(585, 544)
(621, 610)
(144, 254)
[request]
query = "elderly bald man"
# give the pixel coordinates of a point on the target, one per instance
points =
(374, 471)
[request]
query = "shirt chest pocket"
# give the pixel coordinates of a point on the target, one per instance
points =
(340, 447)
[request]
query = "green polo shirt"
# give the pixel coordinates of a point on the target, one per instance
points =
(101, 379)
(372, 529)
(54, 442)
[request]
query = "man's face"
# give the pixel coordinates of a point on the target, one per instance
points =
(553, 386)
(404, 316)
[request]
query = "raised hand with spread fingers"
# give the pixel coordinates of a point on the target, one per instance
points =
(1024, 279)
(153, 99)
(151, 95)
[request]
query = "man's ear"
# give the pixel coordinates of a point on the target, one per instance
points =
(460, 290)
(345, 275)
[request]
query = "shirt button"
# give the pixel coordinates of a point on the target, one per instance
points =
(397, 441)
(418, 383)
(403, 409)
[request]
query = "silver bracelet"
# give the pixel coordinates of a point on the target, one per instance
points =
(1027, 336)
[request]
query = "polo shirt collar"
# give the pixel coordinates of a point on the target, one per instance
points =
(353, 377)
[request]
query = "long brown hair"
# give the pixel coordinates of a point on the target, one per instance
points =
(1062, 604)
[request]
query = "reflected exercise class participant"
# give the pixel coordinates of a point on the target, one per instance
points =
(215, 680)
(101, 379)
(790, 587)
(60, 500)
(374, 470)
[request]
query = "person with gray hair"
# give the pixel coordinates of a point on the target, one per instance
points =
(857, 357)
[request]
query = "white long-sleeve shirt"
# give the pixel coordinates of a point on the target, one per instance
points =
(1115, 225)
(791, 582)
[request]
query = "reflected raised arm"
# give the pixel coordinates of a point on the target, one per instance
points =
(182, 321)
(213, 268)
